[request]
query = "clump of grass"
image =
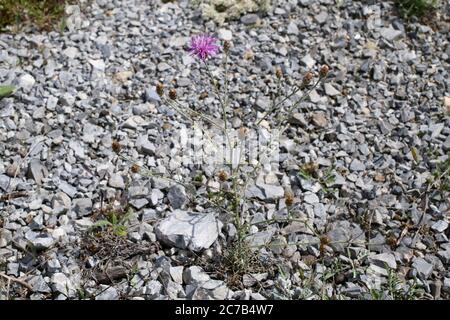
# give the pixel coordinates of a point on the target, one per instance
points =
(42, 13)
(416, 8)
(115, 222)
(440, 176)
(397, 289)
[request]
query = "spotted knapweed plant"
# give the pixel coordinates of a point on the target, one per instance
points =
(234, 181)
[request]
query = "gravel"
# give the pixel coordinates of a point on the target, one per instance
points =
(376, 132)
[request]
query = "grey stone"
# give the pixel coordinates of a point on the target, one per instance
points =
(151, 96)
(188, 230)
(39, 285)
(390, 34)
(195, 275)
(254, 192)
(108, 294)
(249, 19)
(177, 274)
(310, 198)
(322, 17)
(271, 192)
(5, 237)
(116, 181)
(292, 28)
(330, 90)
(82, 207)
(423, 268)
(383, 260)
(260, 239)
(308, 61)
(177, 196)
(357, 165)
(263, 103)
(440, 226)
(446, 285)
(62, 284)
(42, 242)
(37, 171)
(153, 289)
(445, 256)
(343, 234)
(97, 64)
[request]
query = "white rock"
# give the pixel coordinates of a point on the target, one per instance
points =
(26, 82)
(116, 181)
(62, 284)
(98, 65)
(225, 34)
(194, 231)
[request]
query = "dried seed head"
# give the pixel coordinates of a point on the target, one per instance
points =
(135, 168)
(242, 133)
(248, 55)
(160, 89)
(173, 94)
(289, 198)
(116, 146)
(391, 241)
(203, 95)
(325, 240)
(222, 175)
(278, 72)
(310, 167)
(307, 78)
(226, 46)
(324, 71)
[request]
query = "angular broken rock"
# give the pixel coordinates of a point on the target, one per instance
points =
(177, 196)
(36, 171)
(188, 230)
(383, 260)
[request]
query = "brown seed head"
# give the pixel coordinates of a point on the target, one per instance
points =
(307, 78)
(173, 94)
(226, 46)
(278, 72)
(222, 175)
(160, 89)
(242, 133)
(325, 240)
(116, 146)
(289, 198)
(135, 168)
(324, 71)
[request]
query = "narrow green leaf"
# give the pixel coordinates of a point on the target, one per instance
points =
(6, 90)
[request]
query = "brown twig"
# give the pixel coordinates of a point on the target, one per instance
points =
(12, 195)
(17, 280)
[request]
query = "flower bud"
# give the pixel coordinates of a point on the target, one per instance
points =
(242, 133)
(173, 94)
(226, 46)
(289, 198)
(222, 175)
(307, 78)
(278, 72)
(135, 168)
(116, 146)
(324, 71)
(160, 89)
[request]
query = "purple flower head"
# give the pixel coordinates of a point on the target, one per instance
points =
(203, 46)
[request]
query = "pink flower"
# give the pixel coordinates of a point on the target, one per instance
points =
(203, 46)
